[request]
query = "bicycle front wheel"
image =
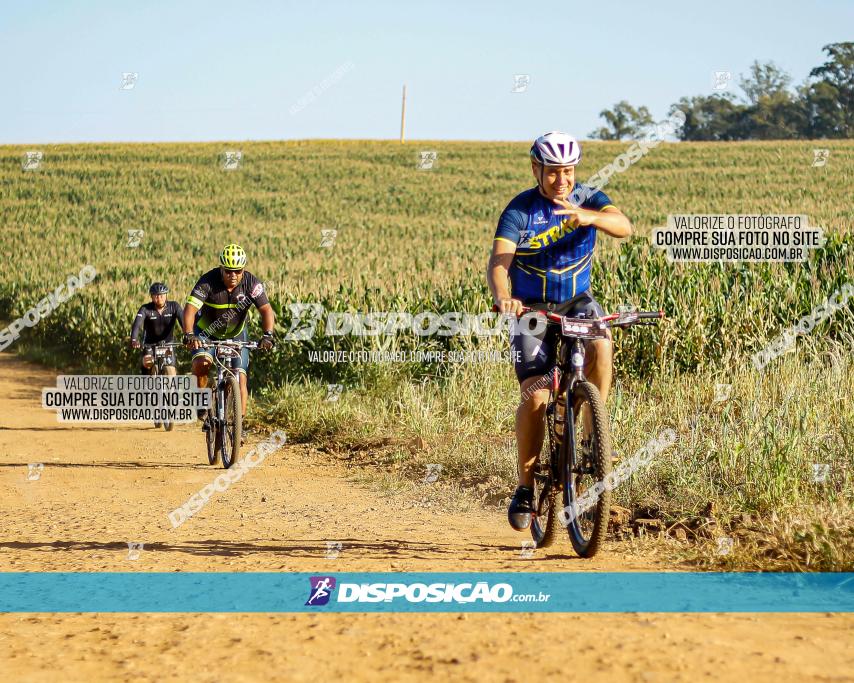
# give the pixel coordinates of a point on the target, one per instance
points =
(231, 430)
(153, 372)
(212, 433)
(167, 424)
(587, 457)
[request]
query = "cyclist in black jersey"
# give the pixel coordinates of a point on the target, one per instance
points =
(156, 321)
(217, 308)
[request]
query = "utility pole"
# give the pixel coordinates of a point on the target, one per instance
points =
(403, 117)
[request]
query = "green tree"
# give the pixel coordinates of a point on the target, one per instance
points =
(829, 101)
(780, 116)
(773, 112)
(623, 121)
(711, 117)
(764, 80)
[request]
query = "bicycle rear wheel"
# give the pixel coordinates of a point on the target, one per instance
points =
(545, 501)
(545, 493)
(231, 429)
(587, 454)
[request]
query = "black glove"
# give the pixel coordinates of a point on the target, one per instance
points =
(189, 338)
(267, 342)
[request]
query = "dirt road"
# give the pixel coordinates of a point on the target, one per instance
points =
(103, 487)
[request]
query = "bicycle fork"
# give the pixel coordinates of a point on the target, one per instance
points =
(562, 413)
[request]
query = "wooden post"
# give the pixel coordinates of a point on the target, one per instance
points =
(403, 117)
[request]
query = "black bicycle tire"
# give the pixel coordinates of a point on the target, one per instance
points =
(231, 393)
(153, 373)
(168, 425)
(544, 534)
(212, 433)
(588, 547)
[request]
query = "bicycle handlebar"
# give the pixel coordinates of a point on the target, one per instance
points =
(624, 319)
(205, 342)
(156, 345)
(234, 343)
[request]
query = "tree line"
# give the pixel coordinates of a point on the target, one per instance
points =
(769, 109)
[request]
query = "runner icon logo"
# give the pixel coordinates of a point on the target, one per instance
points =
(820, 157)
(321, 590)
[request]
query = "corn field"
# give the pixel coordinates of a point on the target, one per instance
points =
(415, 240)
(406, 239)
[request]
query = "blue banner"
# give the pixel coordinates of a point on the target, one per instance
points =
(426, 592)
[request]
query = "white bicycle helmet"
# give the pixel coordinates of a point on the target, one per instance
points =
(556, 149)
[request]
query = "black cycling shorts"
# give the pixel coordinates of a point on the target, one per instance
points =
(534, 350)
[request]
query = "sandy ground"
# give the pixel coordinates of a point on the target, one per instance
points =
(103, 487)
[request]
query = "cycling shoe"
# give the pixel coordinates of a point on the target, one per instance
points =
(521, 508)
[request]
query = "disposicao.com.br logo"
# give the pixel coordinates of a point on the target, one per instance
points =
(323, 588)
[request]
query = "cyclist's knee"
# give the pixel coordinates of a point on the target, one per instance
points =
(147, 362)
(602, 350)
(534, 393)
(201, 366)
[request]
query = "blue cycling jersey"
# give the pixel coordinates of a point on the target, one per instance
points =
(552, 261)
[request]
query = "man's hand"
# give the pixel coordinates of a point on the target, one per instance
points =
(134, 343)
(579, 216)
(510, 306)
(610, 220)
(192, 342)
(267, 342)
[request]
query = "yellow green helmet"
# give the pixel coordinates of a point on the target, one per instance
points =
(233, 257)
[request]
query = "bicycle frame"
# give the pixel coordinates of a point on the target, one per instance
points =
(225, 355)
(159, 353)
(573, 333)
(223, 361)
(558, 470)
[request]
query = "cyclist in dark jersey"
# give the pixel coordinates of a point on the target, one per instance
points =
(217, 308)
(542, 256)
(156, 321)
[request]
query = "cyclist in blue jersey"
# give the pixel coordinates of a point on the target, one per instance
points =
(542, 256)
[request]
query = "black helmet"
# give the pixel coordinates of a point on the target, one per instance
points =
(158, 288)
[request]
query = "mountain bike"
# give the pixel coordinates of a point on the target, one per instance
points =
(224, 422)
(577, 452)
(161, 352)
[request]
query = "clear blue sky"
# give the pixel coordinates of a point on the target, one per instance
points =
(233, 71)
